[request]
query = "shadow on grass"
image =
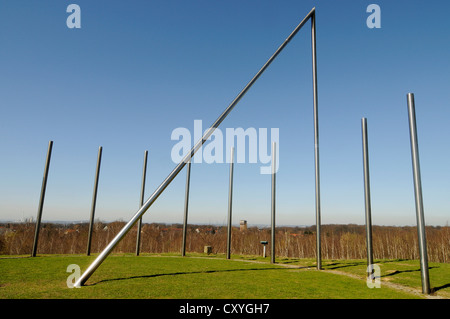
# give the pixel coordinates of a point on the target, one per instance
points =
(434, 289)
(337, 265)
(387, 261)
(404, 271)
(289, 261)
(182, 273)
(345, 264)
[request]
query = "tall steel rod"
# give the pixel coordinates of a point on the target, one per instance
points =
(94, 201)
(230, 204)
(418, 196)
(316, 142)
(272, 242)
(368, 208)
(141, 202)
(186, 208)
(102, 256)
(41, 200)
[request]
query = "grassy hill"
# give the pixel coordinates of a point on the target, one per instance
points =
(124, 276)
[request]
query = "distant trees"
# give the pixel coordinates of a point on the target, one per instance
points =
(338, 241)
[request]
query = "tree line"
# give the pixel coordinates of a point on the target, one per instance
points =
(338, 241)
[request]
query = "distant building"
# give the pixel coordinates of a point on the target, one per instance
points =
(243, 225)
(28, 220)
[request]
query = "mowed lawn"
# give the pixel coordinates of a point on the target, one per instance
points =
(174, 277)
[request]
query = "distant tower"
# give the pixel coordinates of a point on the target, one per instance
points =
(243, 225)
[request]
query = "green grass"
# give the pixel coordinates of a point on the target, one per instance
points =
(403, 272)
(174, 277)
(397, 271)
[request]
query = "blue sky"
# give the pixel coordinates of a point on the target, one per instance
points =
(137, 70)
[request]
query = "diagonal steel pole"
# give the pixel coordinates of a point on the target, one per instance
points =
(102, 256)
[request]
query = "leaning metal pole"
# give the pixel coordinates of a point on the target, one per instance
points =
(94, 201)
(186, 209)
(41, 200)
(230, 204)
(316, 142)
(141, 202)
(102, 256)
(418, 195)
(367, 196)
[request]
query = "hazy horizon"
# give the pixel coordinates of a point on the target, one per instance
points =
(3, 221)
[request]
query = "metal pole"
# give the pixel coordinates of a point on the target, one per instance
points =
(230, 202)
(316, 142)
(367, 195)
(186, 209)
(418, 195)
(102, 256)
(141, 202)
(94, 201)
(41, 200)
(272, 242)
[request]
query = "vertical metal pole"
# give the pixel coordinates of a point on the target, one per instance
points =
(367, 195)
(141, 202)
(230, 202)
(418, 195)
(94, 201)
(41, 200)
(272, 243)
(316, 141)
(186, 208)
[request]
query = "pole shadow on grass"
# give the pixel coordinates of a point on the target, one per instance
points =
(343, 264)
(184, 273)
(433, 289)
(439, 288)
(404, 271)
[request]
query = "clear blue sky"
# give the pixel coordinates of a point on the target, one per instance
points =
(136, 70)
